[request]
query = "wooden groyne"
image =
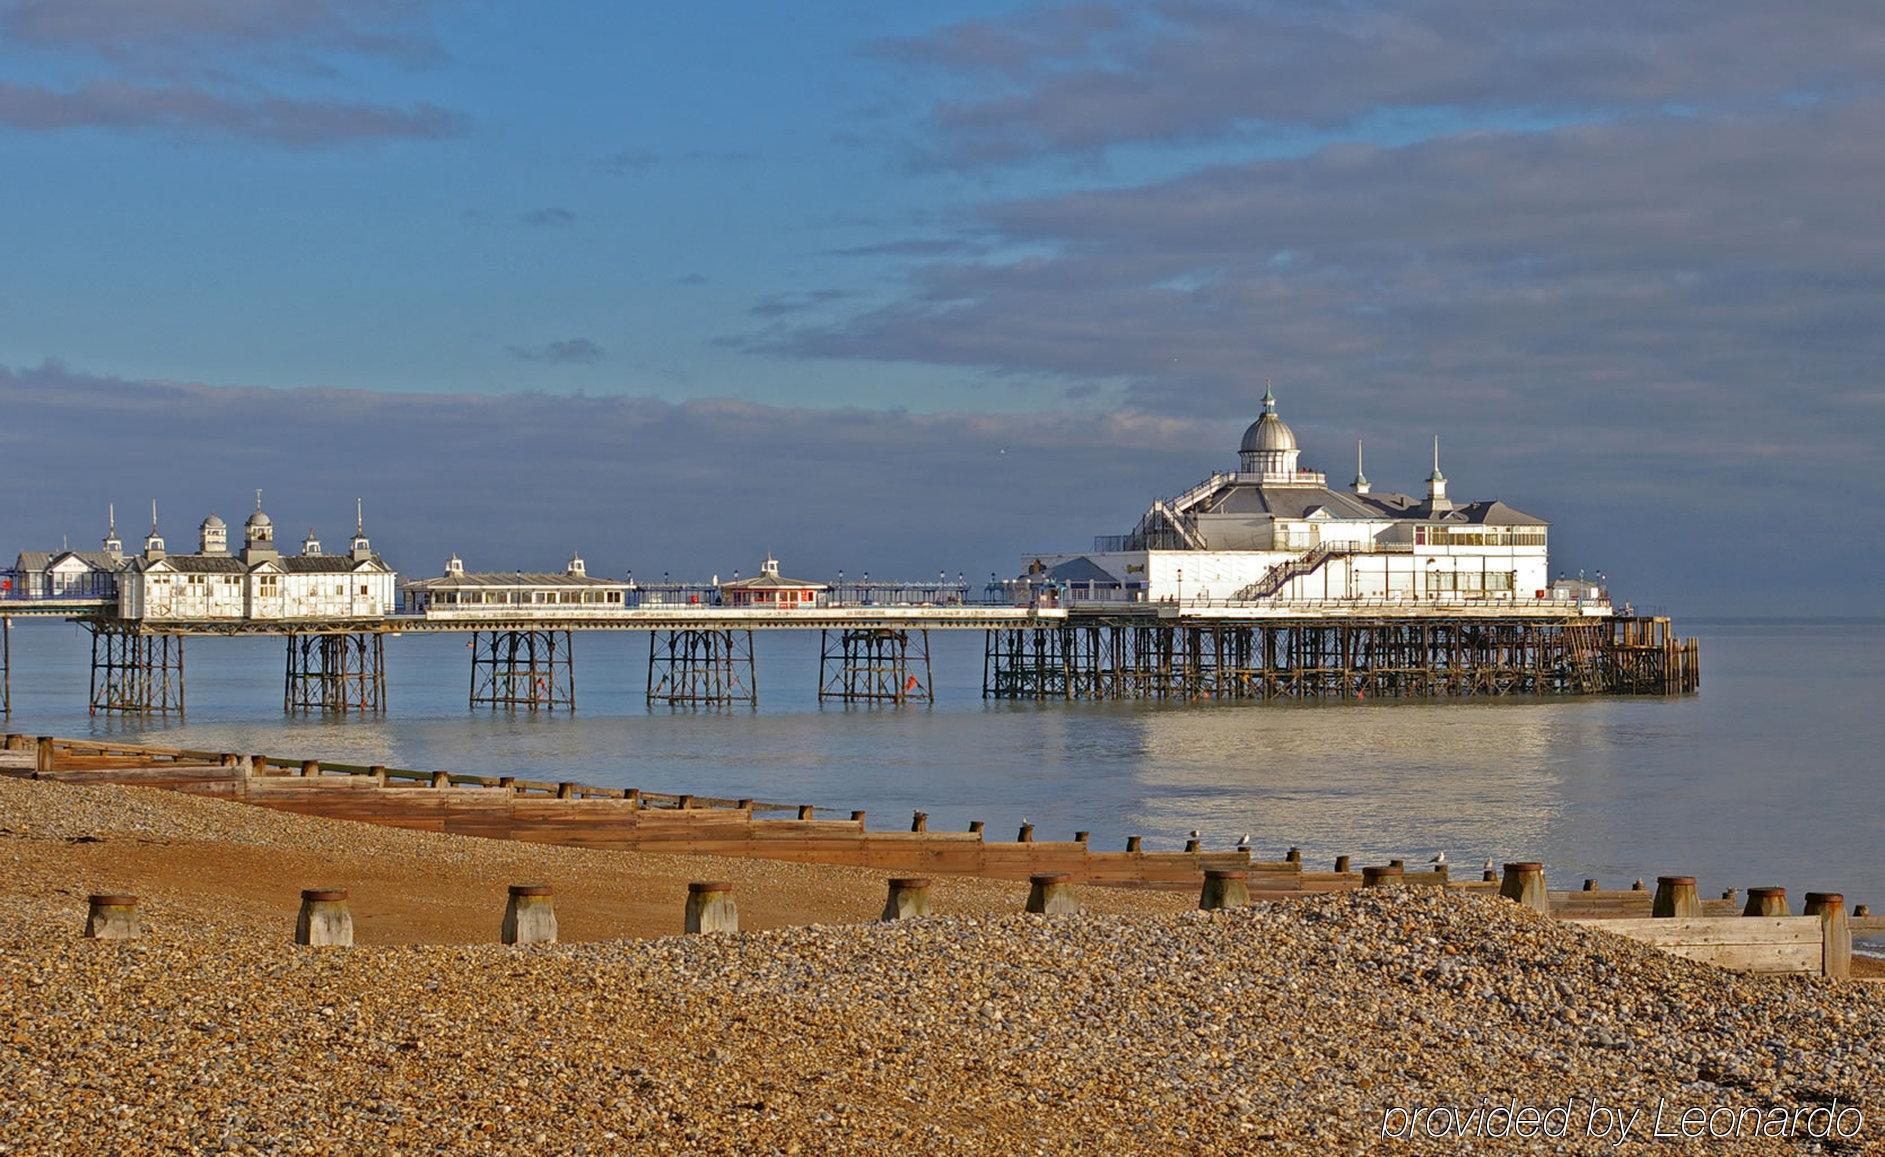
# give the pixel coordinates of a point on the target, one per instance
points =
(568, 813)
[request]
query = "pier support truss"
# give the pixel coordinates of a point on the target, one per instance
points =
(874, 665)
(134, 673)
(701, 666)
(1337, 659)
(335, 673)
(531, 669)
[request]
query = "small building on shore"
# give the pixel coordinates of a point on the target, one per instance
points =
(571, 594)
(770, 590)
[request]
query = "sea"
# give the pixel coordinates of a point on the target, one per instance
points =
(1768, 775)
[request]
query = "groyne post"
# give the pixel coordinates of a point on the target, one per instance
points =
(1341, 863)
(42, 755)
(1224, 888)
(529, 915)
(324, 920)
(1835, 933)
(1382, 876)
(1293, 856)
(710, 907)
(1524, 882)
(111, 916)
(908, 897)
(1026, 834)
(1134, 843)
(919, 821)
(1766, 902)
(1675, 897)
(1051, 894)
(310, 768)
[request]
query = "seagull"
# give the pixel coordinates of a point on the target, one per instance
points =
(1243, 843)
(1488, 865)
(1024, 821)
(1438, 858)
(1195, 833)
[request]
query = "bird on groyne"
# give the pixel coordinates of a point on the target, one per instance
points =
(1438, 858)
(1488, 865)
(1243, 843)
(1195, 833)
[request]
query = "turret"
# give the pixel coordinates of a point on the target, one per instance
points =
(212, 536)
(153, 542)
(1269, 447)
(114, 546)
(454, 566)
(258, 535)
(1436, 483)
(360, 550)
(577, 567)
(310, 546)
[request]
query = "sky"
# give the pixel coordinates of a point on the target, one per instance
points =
(907, 288)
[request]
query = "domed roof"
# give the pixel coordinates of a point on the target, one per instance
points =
(259, 519)
(213, 523)
(1269, 432)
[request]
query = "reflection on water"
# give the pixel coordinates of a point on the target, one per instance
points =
(1766, 777)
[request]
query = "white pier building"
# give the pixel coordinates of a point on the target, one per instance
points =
(1273, 533)
(259, 584)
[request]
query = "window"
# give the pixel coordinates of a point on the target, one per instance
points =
(269, 585)
(1499, 580)
(363, 588)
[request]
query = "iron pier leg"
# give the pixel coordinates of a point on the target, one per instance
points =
(135, 673)
(693, 666)
(873, 665)
(335, 673)
(529, 669)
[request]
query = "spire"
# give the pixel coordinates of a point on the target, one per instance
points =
(1436, 483)
(258, 498)
(153, 542)
(1269, 398)
(360, 549)
(114, 546)
(1360, 484)
(359, 516)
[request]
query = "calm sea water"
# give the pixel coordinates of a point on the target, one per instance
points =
(1769, 775)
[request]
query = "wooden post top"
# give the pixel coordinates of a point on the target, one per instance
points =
(530, 890)
(1044, 879)
(323, 895)
(909, 882)
(111, 900)
(698, 887)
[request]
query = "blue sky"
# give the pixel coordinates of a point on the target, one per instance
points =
(945, 286)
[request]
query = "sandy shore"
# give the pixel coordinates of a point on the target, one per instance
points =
(1293, 1025)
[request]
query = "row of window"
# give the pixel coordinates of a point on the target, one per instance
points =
(266, 585)
(1448, 580)
(1480, 536)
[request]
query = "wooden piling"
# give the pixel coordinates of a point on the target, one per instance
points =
(441, 779)
(976, 827)
(566, 789)
(710, 907)
(1382, 876)
(1026, 835)
(42, 755)
(857, 814)
(1051, 894)
(324, 920)
(529, 915)
(1524, 883)
(1675, 897)
(1134, 843)
(1766, 902)
(1224, 888)
(1401, 864)
(1193, 845)
(310, 768)
(112, 916)
(1638, 886)
(1293, 856)
(1341, 863)
(1590, 885)
(805, 811)
(919, 821)
(908, 897)
(378, 772)
(1081, 837)
(1835, 933)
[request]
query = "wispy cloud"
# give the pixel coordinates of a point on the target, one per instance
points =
(213, 69)
(574, 351)
(548, 218)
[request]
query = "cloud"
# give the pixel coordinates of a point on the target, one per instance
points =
(220, 69)
(691, 279)
(1664, 510)
(632, 162)
(192, 111)
(781, 304)
(1083, 79)
(575, 351)
(550, 218)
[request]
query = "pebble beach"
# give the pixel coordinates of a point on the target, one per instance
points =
(1136, 1026)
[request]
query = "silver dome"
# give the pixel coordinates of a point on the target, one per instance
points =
(259, 519)
(213, 523)
(1268, 433)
